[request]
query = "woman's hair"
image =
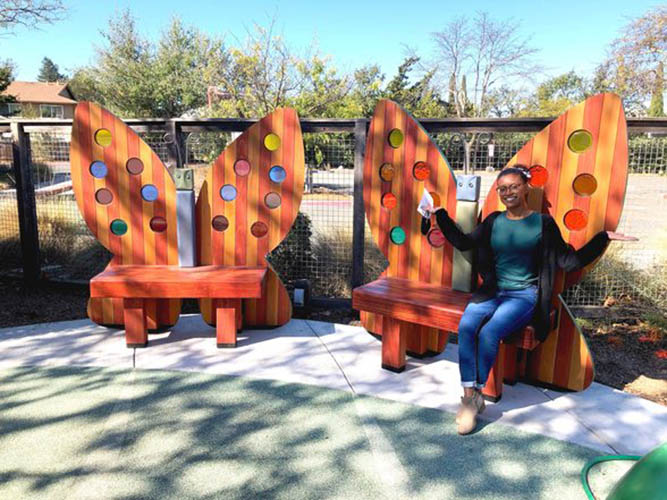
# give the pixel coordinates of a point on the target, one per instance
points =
(521, 170)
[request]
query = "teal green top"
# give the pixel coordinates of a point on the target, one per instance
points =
(514, 243)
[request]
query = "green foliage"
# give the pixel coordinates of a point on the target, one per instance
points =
(49, 72)
(657, 107)
(6, 77)
(293, 259)
(555, 95)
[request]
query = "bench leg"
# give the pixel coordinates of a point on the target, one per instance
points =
(134, 317)
(416, 341)
(393, 345)
(226, 319)
(511, 366)
(493, 390)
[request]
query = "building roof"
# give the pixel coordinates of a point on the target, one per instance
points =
(40, 92)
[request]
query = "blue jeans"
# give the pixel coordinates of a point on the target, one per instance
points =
(506, 313)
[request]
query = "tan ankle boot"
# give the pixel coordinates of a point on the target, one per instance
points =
(478, 401)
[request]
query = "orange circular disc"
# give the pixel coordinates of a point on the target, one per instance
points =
(387, 172)
(584, 184)
(538, 176)
(575, 219)
(436, 198)
(389, 201)
(421, 171)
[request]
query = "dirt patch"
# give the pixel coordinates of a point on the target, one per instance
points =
(629, 354)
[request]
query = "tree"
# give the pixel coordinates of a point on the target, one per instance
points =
(555, 95)
(657, 106)
(634, 67)
(6, 77)
(49, 72)
(29, 13)
(419, 98)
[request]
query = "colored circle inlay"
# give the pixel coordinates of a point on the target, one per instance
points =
(158, 224)
(584, 184)
(277, 174)
(149, 192)
(575, 219)
(103, 137)
(397, 235)
(435, 238)
(389, 201)
(387, 172)
(228, 192)
(259, 229)
(421, 171)
(98, 169)
(538, 176)
(242, 167)
(579, 141)
(103, 196)
(135, 166)
(118, 227)
(220, 223)
(271, 142)
(272, 200)
(436, 199)
(395, 138)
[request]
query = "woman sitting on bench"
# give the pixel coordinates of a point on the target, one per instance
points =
(518, 251)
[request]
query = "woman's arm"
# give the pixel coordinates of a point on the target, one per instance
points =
(459, 239)
(570, 259)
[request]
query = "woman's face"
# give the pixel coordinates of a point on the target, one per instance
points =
(512, 190)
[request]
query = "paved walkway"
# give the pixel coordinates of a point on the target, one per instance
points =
(345, 358)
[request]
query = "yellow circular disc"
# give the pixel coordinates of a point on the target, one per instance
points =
(395, 138)
(584, 184)
(103, 137)
(579, 141)
(271, 142)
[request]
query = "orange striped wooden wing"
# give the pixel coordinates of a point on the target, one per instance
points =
(128, 200)
(401, 160)
(248, 204)
(579, 164)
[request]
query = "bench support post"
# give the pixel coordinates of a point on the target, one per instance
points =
(226, 321)
(493, 390)
(134, 317)
(393, 345)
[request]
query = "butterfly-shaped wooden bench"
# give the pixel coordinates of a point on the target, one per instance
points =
(579, 173)
(165, 246)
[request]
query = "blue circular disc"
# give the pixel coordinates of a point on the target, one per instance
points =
(149, 192)
(98, 169)
(228, 192)
(277, 174)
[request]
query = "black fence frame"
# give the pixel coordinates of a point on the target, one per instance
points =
(174, 130)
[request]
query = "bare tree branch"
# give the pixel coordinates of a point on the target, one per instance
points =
(29, 13)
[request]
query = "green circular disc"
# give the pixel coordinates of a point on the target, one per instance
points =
(397, 235)
(395, 138)
(118, 227)
(579, 141)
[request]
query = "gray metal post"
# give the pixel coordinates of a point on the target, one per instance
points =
(358, 215)
(25, 199)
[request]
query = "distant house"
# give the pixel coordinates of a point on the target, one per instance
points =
(39, 100)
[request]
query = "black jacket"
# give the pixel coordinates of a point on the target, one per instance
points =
(553, 253)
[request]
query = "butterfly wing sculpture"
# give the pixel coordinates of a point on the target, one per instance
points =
(409, 162)
(131, 204)
(579, 168)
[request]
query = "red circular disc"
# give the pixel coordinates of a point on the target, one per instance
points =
(538, 176)
(103, 196)
(135, 166)
(259, 229)
(389, 201)
(575, 219)
(421, 171)
(158, 224)
(220, 223)
(436, 238)
(242, 167)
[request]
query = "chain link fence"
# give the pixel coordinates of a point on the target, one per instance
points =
(319, 248)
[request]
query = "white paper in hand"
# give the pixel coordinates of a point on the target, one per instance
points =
(425, 207)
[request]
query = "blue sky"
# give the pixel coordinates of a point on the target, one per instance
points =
(568, 34)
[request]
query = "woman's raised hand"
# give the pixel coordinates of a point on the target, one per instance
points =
(620, 237)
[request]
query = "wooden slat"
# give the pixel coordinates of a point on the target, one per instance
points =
(179, 282)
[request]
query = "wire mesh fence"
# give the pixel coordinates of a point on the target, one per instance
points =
(319, 248)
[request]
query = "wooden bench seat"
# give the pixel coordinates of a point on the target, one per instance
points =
(137, 283)
(402, 302)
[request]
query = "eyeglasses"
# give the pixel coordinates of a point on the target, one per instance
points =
(514, 188)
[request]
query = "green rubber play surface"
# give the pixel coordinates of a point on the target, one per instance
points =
(101, 433)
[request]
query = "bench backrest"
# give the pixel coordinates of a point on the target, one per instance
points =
(579, 165)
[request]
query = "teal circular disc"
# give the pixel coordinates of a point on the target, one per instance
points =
(397, 235)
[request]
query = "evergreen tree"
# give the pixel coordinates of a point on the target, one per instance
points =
(49, 72)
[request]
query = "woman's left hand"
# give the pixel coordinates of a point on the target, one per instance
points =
(620, 237)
